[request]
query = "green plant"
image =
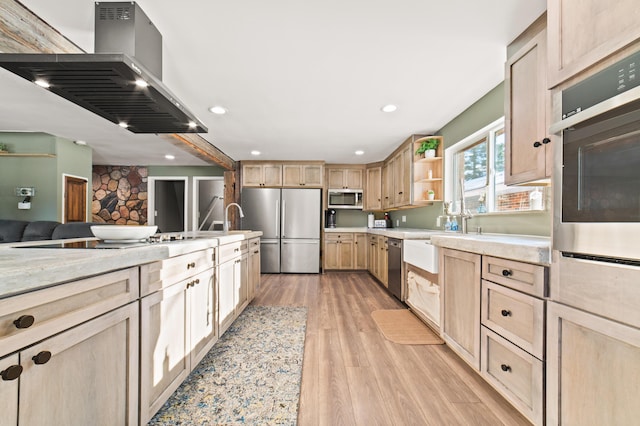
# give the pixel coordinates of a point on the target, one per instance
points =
(427, 144)
(3, 146)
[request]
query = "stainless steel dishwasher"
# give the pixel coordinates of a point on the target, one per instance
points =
(394, 268)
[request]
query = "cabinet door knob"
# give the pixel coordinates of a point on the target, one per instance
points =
(537, 144)
(11, 373)
(42, 357)
(505, 313)
(191, 265)
(546, 141)
(507, 273)
(505, 367)
(24, 321)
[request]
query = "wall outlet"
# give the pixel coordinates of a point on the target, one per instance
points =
(404, 218)
(24, 206)
(25, 192)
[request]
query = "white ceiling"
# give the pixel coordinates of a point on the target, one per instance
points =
(302, 80)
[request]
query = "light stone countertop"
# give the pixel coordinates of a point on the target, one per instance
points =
(25, 269)
(524, 248)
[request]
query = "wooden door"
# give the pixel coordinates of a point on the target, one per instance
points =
(346, 254)
(252, 175)
(96, 362)
(9, 392)
(353, 178)
(292, 175)
(336, 179)
(331, 254)
(312, 175)
(226, 289)
(404, 185)
(360, 251)
(387, 185)
(254, 268)
(373, 190)
(75, 199)
(383, 260)
(242, 290)
(164, 346)
(593, 369)
(373, 255)
(272, 175)
(202, 314)
(526, 113)
(460, 284)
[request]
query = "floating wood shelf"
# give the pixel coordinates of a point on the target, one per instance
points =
(428, 180)
(13, 154)
(428, 159)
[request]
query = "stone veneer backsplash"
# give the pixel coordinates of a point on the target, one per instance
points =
(119, 195)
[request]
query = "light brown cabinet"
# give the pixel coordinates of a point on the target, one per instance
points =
(383, 260)
(372, 255)
(585, 32)
(360, 251)
(77, 336)
(261, 175)
(338, 251)
(593, 369)
(302, 175)
(254, 267)
(460, 290)
(178, 324)
(373, 190)
(341, 177)
(387, 186)
(528, 151)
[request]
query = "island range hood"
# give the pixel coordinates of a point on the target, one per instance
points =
(121, 81)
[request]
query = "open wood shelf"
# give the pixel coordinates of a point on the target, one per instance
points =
(13, 154)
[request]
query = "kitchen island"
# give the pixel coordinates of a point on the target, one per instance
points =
(130, 323)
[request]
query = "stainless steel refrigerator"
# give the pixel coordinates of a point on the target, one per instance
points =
(290, 221)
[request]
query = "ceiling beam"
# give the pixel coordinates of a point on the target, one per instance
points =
(22, 31)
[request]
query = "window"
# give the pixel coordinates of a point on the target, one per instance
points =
(479, 161)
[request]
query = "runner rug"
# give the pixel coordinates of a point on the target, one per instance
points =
(401, 326)
(251, 376)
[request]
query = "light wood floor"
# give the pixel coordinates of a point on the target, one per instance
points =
(353, 376)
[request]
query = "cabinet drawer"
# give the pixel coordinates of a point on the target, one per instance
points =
(516, 316)
(158, 275)
(517, 375)
(229, 251)
(338, 237)
(58, 308)
(525, 277)
(254, 244)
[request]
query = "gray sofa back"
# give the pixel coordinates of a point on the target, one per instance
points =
(12, 231)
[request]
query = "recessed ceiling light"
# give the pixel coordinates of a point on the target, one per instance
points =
(123, 124)
(192, 125)
(170, 157)
(141, 83)
(42, 83)
(218, 110)
(80, 143)
(389, 108)
(359, 152)
(254, 152)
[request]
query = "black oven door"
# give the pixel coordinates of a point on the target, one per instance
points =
(601, 169)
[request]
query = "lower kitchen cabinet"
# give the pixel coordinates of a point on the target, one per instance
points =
(203, 305)
(254, 267)
(460, 286)
(383, 260)
(233, 283)
(338, 251)
(100, 355)
(593, 369)
(372, 255)
(360, 251)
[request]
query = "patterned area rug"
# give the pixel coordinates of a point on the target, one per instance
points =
(251, 376)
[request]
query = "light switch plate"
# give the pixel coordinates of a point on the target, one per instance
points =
(404, 218)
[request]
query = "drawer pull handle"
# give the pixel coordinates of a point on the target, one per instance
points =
(505, 367)
(256, 252)
(236, 250)
(505, 313)
(507, 272)
(537, 144)
(546, 141)
(42, 357)
(11, 373)
(191, 265)
(24, 321)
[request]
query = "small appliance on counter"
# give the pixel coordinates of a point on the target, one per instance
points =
(330, 218)
(370, 220)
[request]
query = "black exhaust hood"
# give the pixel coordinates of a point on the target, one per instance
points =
(105, 84)
(113, 82)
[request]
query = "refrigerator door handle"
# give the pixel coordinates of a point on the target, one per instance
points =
(277, 218)
(300, 242)
(284, 211)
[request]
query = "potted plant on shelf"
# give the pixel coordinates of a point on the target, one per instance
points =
(3, 148)
(428, 148)
(430, 194)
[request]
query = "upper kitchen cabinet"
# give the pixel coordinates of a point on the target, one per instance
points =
(373, 189)
(308, 175)
(527, 111)
(402, 171)
(427, 173)
(345, 177)
(581, 33)
(259, 174)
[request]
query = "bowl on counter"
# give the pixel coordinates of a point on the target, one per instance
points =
(123, 232)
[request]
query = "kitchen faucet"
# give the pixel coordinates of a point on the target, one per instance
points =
(464, 213)
(226, 215)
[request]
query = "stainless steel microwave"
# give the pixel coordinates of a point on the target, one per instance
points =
(344, 199)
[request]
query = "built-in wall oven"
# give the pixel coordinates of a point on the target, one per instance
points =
(597, 166)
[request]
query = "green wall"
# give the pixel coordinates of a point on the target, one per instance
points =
(486, 110)
(42, 173)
